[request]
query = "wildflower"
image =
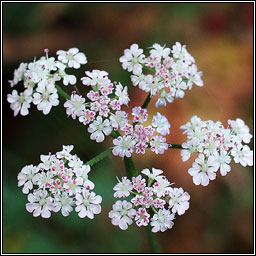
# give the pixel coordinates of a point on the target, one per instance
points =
(139, 114)
(64, 203)
(158, 144)
(179, 200)
(88, 204)
(26, 178)
(133, 59)
(122, 94)
(75, 106)
(45, 97)
(161, 124)
(95, 78)
(123, 188)
(159, 51)
(203, 170)
(142, 217)
(162, 221)
(154, 175)
(123, 146)
(40, 204)
(99, 128)
(122, 214)
(72, 58)
(20, 102)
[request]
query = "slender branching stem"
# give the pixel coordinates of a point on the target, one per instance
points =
(99, 157)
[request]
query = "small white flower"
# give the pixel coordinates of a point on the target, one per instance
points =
(88, 204)
(123, 188)
(119, 119)
(124, 146)
(132, 59)
(26, 177)
(96, 77)
(161, 186)
(71, 186)
(243, 155)
(142, 217)
(82, 177)
(162, 221)
(45, 96)
(18, 74)
(20, 102)
(122, 94)
(180, 52)
(223, 160)
(179, 200)
(240, 129)
(69, 79)
(178, 88)
(194, 77)
(64, 203)
(65, 153)
(73, 58)
(161, 124)
(158, 144)
(155, 173)
(151, 84)
(137, 79)
(75, 163)
(196, 122)
(75, 106)
(160, 51)
(99, 129)
(47, 161)
(122, 214)
(43, 179)
(203, 170)
(40, 203)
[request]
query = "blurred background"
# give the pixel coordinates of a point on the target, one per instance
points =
(218, 35)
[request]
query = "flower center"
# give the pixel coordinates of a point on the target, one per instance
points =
(46, 95)
(21, 98)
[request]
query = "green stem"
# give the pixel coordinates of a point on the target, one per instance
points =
(62, 93)
(130, 167)
(146, 102)
(152, 241)
(99, 157)
(176, 146)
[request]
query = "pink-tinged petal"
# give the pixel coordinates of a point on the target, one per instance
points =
(96, 209)
(30, 207)
(45, 213)
(122, 224)
(115, 221)
(82, 213)
(37, 211)
(90, 214)
(97, 200)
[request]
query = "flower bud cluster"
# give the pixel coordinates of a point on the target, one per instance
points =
(137, 137)
(39, 78)
(105, 101)
(59, 183)
(216, 146)
(170, 75)
(153, 201)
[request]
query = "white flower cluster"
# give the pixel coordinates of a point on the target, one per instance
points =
(39, 79)
(106, 100)
(58, 183)
(172, 75)
(216, 146)
(153, 202)
(137, 137)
